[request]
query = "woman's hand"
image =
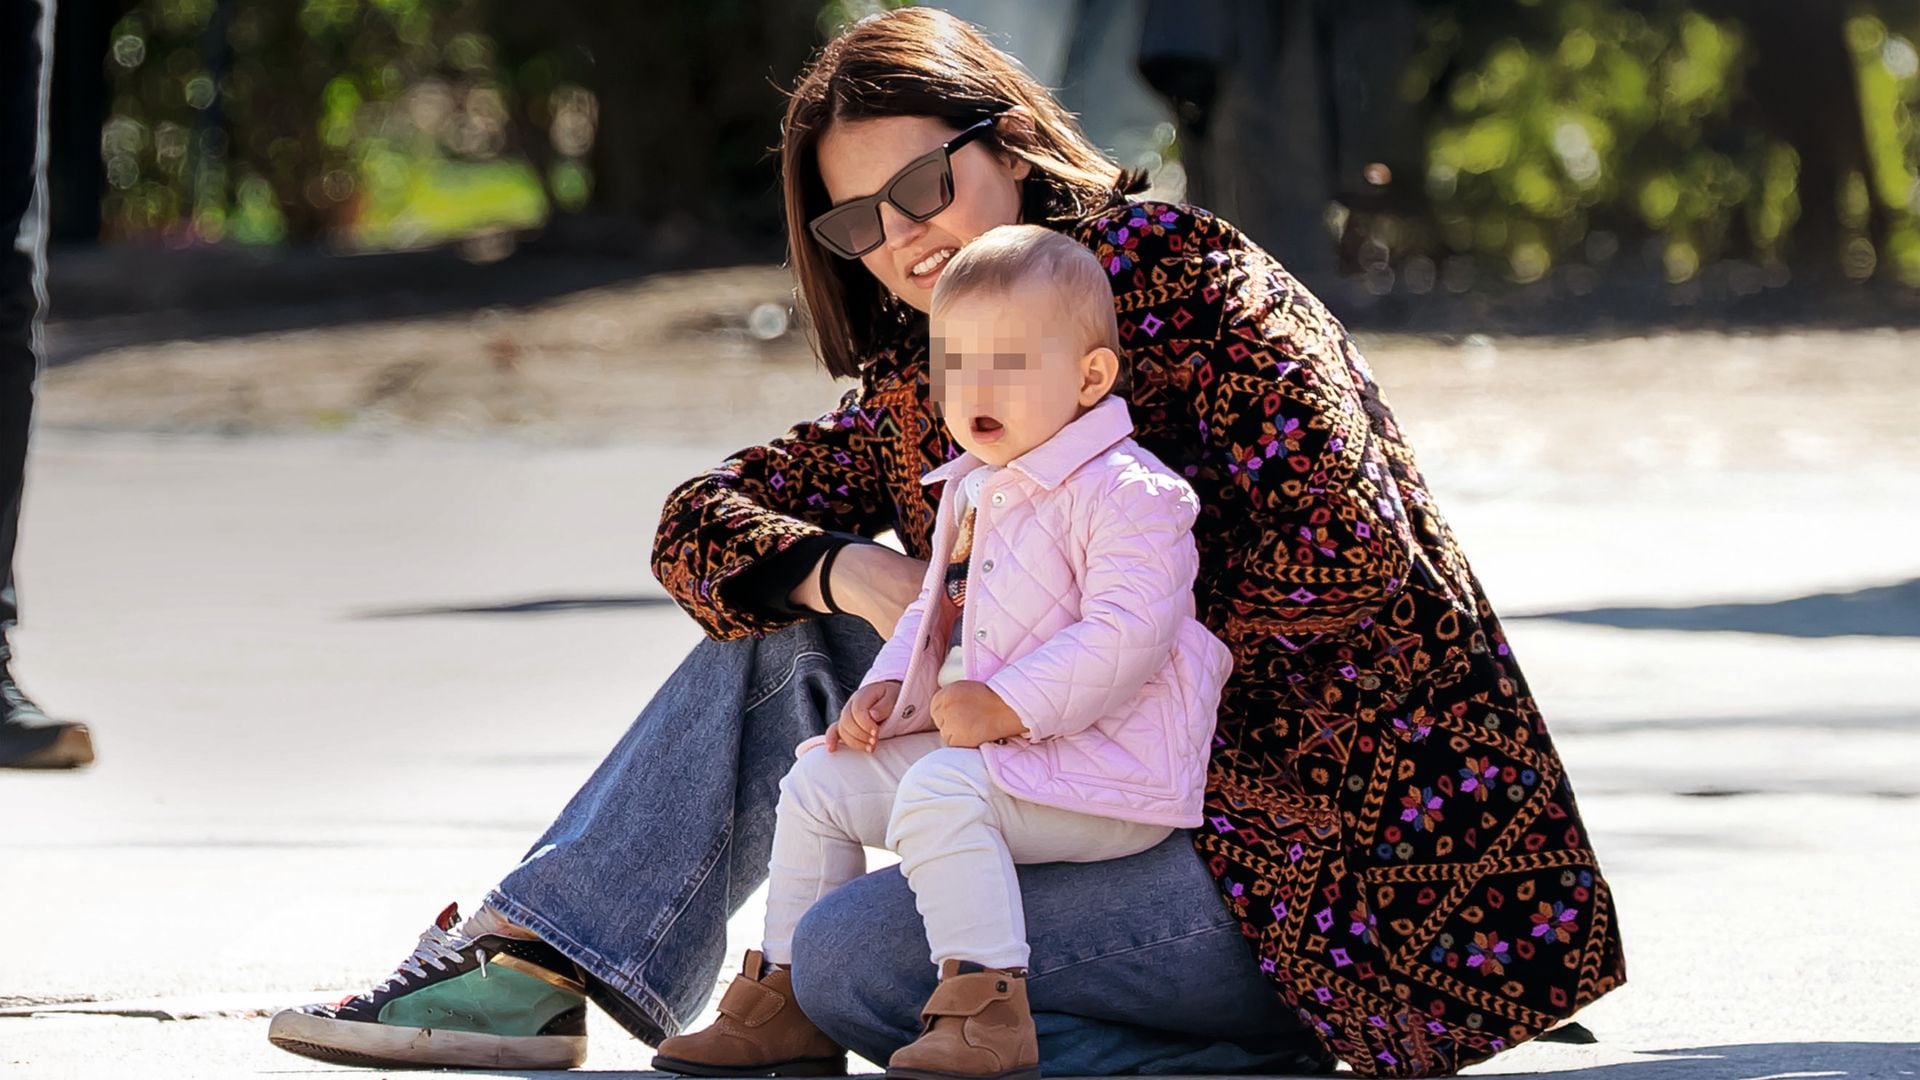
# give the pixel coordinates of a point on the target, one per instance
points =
(872, 581)
(968, 713)
(860, 720)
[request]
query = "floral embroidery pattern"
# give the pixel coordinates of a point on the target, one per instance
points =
(1413, 730)
(1422, 808)
(1488, 954)
(1364, 924)
(1554, 922)
(1119, 238)
(1476, 777)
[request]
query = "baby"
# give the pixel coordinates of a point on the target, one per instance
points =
(1048, 697)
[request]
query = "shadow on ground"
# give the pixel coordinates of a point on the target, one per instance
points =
(1880, 611)
(111, 298)
(1838, 720)
(1748, 1061)
(546, 605)
(127, 295)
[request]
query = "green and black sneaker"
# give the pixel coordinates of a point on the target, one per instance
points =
(488, 1002)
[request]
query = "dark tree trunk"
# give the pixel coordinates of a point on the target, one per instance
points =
(689, 100)
(1248, 88)
(1801, 89)
(76, 174)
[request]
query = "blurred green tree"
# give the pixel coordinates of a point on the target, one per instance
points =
(1760, 131)
(392, 122)
(304, 121)
(690, 96)
(1534, 137)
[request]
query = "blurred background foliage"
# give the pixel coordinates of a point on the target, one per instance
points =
(1696, 135)
(1568, 139)
(370, 124)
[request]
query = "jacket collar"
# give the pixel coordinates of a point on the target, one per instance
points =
(1056, 459)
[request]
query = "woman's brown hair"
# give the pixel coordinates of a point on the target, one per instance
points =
(922, 62)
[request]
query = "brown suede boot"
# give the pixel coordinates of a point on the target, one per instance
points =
(975, 1027)
(761, 1032)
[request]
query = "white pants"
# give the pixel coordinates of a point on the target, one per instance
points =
(957, 834)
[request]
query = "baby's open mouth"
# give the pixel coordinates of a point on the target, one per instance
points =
(985, 425)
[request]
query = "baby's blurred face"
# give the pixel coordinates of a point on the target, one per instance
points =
(1005, 372)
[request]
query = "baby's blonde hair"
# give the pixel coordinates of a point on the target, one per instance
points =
(1008, 256)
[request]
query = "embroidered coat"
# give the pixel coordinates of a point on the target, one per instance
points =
(1385, 812)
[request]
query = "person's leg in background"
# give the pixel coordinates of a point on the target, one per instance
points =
(27, 738)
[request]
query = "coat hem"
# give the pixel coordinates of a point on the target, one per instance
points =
(1080, 806)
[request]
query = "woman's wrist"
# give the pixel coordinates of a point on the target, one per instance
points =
(871, 582)
(806, 594)
(824, 577)
(824, 593)
(841, 581)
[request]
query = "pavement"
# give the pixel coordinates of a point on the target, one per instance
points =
(337, 681)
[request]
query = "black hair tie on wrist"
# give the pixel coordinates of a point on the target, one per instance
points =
(826, 591)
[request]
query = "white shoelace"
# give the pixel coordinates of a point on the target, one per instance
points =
(436, 947)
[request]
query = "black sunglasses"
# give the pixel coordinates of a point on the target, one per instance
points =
(921, 189)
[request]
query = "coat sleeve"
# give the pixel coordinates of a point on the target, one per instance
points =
(816, 479)
(1136, 593)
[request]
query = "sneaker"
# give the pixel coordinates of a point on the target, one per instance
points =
(489, 1002)
(28, 739)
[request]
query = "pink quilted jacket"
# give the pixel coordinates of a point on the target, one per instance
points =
(1080, 615)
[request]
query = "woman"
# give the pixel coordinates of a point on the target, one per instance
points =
(1388, 824)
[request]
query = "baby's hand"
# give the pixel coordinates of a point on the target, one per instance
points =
(968, 713)
(859, 723)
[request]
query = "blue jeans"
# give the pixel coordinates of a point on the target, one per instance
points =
(1137, 966)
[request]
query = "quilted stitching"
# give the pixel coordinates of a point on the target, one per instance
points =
(1090, 598)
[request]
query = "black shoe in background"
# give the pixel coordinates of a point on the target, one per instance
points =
(28, 739)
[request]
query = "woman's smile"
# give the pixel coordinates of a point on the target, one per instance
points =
(927, 270)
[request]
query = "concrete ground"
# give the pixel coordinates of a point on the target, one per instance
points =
(325, 707)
